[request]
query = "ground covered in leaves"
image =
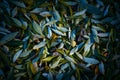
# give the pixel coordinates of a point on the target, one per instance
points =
(59, 40)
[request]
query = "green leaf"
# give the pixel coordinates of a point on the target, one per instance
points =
(69, 58)
(17, 22)
(58, 32)
(49, 33)
(90, 60)
(47, 59)
(73, 50)
(25, 53)
(93, 10)
(14, 12)
(63, 29)
(41, 44)
(8, 38)
(4, 30)
(45, 14)
(103, 34)
(55, 64)
(101, 68)
(37, 28)
(17, 55)
(56, 15)
(80, 13)
(79, 55)
(50, 22)
(36, 10)
(71, 3)
(20, 4)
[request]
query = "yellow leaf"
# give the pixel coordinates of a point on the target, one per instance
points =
(73, 43)
(34, 67)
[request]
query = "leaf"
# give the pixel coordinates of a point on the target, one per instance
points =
(56, 15)
(80, 13)
(69, 58)
(73, 43)
(8, 38)
(93, 10)
(62, 29)
(49, 33)
(14, 12)
(55, 64)
(58, 32)
(73, 66)
(61, 45)
(17, 22)
(94, 35)
(33, 68)
(20, 4)
(45, 14)
(106, 10)
(73, 50)
(17, 55)
(25, 53)
(64, 66)
(101, 68)
(4, 30)
(41, 44)
(50, 76)
(79, 55)
(71, 3)
(103, 34)
(37, 28)
(47, 59)
(87, 47)
(36, 10)
(90, 60)
(50, 22)
(98, 28)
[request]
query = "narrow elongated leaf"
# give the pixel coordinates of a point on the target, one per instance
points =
(73, 66)
(17, 22)
(73, 50)
(17, 55)
(25, 53)
(58, 32)
(36, 10)
(20, 4)
(106, 10)
(33, 68)
(62, 29)
(93, 10)
(80, 13)
(47, 59)
(103, 34)
(4, 30)
(90, 60)
(7, 38)
(71, 3)
(101, 68)
(64, 66)
(49, 33)
(55, 64)
(69, 58)
(41, 44)
(14, 12)
(45, 14)
(37, 28)
(50, 22)
(56, 15)
(79, 55)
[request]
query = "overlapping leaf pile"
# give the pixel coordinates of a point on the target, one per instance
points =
(59, 40)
